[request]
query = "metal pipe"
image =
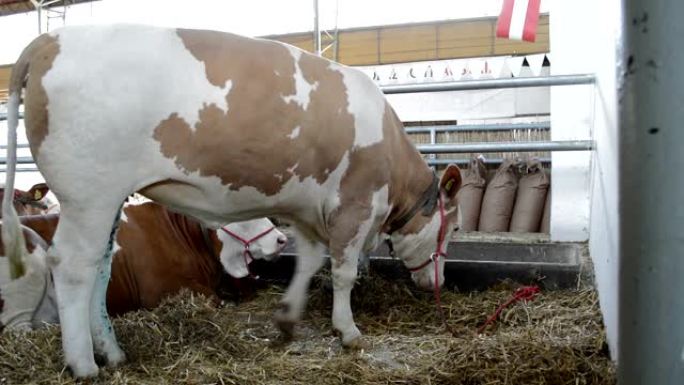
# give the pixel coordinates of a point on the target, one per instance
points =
(480, 127)
(651, 212)
(3, 116)
(464, 161)
(20, 160)
(20, 145)
(317, 30)
(464, 148)
(29, 169)
(487, 84)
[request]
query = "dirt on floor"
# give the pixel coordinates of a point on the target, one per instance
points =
(557, 338)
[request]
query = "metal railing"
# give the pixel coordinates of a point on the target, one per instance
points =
(478, 127)
(488, 84)
(484, 84)
(463, 148)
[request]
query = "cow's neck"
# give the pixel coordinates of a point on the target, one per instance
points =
(204, 259)
(411, 178)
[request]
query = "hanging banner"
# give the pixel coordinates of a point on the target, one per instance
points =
(518, 20)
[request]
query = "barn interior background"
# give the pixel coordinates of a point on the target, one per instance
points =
(580, 113)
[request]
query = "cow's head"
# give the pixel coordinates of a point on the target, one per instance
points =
(30, 202)
(244, 241)
(415, 243)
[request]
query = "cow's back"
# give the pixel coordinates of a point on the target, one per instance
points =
(201, 107)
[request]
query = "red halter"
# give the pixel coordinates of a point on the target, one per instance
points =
(247, 253)
(441, 236)
(434, 257)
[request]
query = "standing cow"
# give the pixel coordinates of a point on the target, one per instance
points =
(156, 253)
(223, 128)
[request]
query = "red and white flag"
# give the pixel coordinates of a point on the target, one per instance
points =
(518, 20)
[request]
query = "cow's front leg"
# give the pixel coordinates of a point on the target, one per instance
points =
(309, 261)
(344, 271)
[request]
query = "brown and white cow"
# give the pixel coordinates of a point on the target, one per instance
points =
(223, 128)
(31, 202)
(156, 253)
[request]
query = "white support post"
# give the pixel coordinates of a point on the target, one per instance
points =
(651, 277)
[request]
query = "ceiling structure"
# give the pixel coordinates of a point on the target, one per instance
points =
(427, 41)
(11, 7)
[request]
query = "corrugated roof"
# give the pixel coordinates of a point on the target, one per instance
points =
(11, 7)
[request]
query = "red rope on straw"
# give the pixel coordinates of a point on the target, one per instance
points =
(525, 293)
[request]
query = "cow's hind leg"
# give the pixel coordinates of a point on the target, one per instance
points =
(77, 253)
(309, 261)
(104, 340)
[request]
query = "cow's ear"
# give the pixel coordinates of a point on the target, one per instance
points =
(451, 181)
(38, 191)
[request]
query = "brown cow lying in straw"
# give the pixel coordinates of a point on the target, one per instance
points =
(156, 253)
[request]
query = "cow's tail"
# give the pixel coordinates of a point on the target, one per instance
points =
(12, 236)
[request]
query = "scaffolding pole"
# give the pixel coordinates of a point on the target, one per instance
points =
(651, 238)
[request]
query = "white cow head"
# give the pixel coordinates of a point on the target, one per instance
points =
(416, 242)
(245, 241)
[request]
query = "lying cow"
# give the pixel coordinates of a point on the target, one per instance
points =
(156, 253)
(31, 202)
(223, 128)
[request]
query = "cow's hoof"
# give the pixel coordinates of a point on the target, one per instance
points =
(116, 358)
(286, 329)
(112, 358)
(89, 370)
(358, 343)
(284, 321)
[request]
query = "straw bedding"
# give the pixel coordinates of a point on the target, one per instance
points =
(555, 339)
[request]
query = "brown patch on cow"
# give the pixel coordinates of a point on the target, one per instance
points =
(44, 225)
(259, 122)
(393, 162)
(449, 184)
(43, 51)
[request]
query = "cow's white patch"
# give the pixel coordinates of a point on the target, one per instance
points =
(294, 133)
(127, 51)
(292, 169)
(123, 217)
(366, 103)
(115, 246)
(302, 87)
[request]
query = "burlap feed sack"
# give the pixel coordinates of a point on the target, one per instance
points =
(530, 199)
(498, 200)
(546, 216)
(470, 194)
